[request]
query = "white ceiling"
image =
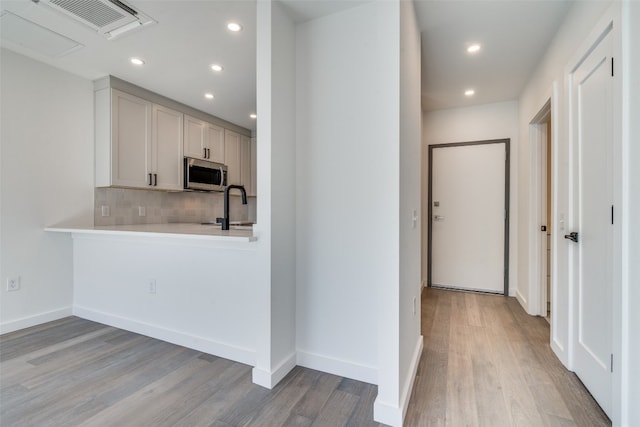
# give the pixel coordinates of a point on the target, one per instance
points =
(514, 36)
(191, 35)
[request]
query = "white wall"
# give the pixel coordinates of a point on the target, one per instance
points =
(276, 194)
(410, 199)
(579, 22)
(205, 291)
(477, 123)
(347, 238)
(631, 198)
(46, 178)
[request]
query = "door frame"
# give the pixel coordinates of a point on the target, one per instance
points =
(537, 297)
(507, 184)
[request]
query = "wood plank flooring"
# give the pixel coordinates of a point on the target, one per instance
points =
(73, 372)
(485, 362)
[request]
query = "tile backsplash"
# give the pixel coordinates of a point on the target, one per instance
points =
(164, 207)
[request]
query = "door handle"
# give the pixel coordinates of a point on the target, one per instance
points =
(573, 236)
(438, 217)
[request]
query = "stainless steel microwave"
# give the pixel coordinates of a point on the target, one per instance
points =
(204, 175)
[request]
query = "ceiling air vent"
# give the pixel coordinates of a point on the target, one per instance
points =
(112, 18)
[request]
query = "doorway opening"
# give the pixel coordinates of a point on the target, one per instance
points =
(541, 137)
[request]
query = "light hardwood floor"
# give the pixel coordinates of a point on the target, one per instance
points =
(485, 363)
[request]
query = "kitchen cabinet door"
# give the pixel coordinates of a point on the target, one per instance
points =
(245, 163)
(166, 150)
(195, 135)
(215, 143)
(232, 157)
(130, 140)
(203, 140)
(254, 168)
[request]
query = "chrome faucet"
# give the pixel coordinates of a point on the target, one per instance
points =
(225, 221)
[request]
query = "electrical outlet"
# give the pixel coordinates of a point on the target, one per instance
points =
(105, 210)
(152, 286)
(142, 211)
(13, 284)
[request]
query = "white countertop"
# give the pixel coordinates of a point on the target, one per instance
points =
(192, 231)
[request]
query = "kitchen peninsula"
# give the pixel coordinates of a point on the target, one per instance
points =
(152, 262)
(189, 284)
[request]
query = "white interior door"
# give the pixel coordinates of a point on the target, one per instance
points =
(592, 92)
(468, 216)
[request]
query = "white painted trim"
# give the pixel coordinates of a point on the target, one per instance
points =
(227, 351)
(343, 368)
(521, 299)
(386, 413)
(405, 396)
(36, 319)
(537, 138)
(558, 229)
(271, 379)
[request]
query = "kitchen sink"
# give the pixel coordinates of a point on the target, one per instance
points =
(237, 225)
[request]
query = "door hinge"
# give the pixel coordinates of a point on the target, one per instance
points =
(611, 362)
(612, 66)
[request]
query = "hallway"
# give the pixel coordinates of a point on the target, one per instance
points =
(486, 362)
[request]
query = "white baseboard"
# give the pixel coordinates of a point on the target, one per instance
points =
(342, 368)
(411, 375)
(392, 415)
(271, 379)
(522, 300)
(386, 413)
(227, 351)
(36, 319)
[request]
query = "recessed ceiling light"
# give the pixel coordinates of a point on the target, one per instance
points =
(208, 95)
(469, 92)
(253, 116)
(473, 48)
(137, 61)
(234, 26)
(216, 67)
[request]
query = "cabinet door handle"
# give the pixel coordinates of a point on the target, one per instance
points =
(205, 153)
(208, 153)
(150, 180)
(155, 179)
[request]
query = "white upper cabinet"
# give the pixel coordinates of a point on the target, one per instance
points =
(254, 168)
(194, 138)
(245, 163)
(142, 144)
(232, 157)
(166, 149)
(203, 140)
(128, 141)
(138, 144)
(240, 160)
(215, 143)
